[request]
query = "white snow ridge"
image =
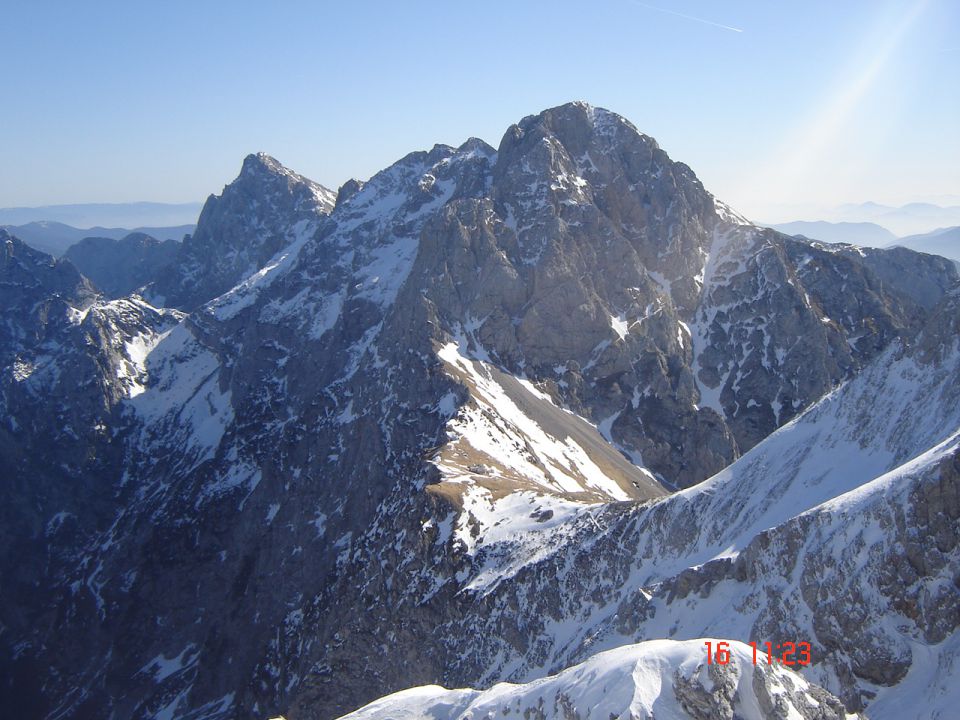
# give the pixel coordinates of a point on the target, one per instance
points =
(658, 679)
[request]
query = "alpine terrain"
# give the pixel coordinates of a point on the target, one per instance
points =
(533, 423)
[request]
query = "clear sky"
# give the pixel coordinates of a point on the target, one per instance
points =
(771, 102)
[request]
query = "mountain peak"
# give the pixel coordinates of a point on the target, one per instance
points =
(265, 172)
(261, 162)
(577, 127)
(241, 229)
(475, 144)
(579, 115)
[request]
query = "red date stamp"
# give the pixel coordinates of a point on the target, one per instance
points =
(785, 653)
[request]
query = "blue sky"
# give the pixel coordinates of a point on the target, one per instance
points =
(791, 103)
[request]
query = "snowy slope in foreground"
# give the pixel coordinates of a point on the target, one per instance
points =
(660, 679)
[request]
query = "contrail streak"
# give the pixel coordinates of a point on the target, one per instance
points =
(689, 17)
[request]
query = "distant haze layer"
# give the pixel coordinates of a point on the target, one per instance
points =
(108, 215)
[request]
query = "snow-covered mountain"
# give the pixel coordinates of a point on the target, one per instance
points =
(431, 433)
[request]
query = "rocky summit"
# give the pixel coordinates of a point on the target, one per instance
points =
(495, 414)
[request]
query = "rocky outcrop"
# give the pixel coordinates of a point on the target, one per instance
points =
(120, 267)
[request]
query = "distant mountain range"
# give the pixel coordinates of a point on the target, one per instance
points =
(943, 241)
(909, 219)
(861, 233)
(55, 237)
(54, 228)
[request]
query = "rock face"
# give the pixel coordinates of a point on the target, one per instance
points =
(422, 437)
(841, 530)
(67, 361)
(238, 232)
(120, 267)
